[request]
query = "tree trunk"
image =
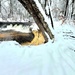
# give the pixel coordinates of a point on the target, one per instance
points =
(47, 4)
(32, 8)
(5, 24)
(0, 6)
(67, 1)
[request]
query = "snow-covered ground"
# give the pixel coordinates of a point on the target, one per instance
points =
(56, 58)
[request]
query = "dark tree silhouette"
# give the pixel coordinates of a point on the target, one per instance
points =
(33, 9)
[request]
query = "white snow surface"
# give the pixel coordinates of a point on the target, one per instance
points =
(20, 28)
(56, 58)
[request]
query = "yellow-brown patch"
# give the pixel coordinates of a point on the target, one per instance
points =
(38, 39)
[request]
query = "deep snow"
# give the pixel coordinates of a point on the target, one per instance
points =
(56, 58)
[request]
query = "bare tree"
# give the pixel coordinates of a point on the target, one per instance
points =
(0, 6)
(72, 8)
(47, 11)
(33, 9)
(65, 14)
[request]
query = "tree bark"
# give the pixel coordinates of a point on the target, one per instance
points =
(67, 1)
(20, 37)
(32, 8)
(72, 8)
(47, 3)
(0, 6)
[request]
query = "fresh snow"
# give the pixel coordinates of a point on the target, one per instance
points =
(20, 28)
(56, 58)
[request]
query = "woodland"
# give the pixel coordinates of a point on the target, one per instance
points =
(42, 12)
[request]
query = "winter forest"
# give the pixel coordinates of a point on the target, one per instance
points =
(59, 8)
(37, 37)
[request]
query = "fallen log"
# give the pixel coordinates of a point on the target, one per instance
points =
(20, 37)
(4, 24)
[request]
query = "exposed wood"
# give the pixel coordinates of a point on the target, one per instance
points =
(38, 39)
(20, 37)
(32, 8)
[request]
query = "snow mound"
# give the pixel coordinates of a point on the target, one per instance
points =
(56, 58)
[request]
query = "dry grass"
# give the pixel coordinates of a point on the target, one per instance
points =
(38, 39)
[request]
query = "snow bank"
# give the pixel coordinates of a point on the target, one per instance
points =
(16, 27)
(56, 58)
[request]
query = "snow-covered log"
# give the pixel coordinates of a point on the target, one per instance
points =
(5, 24)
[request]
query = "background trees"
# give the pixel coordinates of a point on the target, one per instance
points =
(12, 9)
(57, 7)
